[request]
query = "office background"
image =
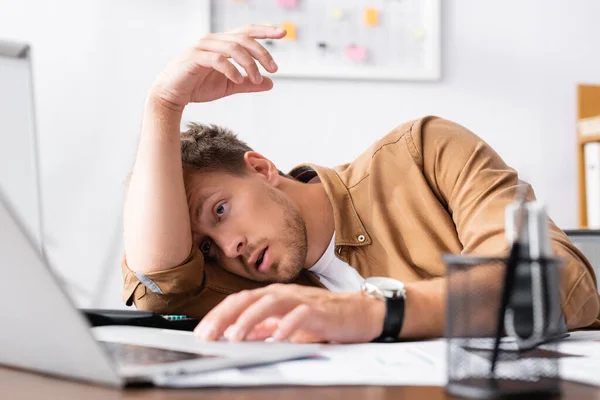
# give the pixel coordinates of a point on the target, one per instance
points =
(509, 73)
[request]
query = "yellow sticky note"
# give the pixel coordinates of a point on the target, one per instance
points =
(338, 13)
(419, 34)
(291, 30)
(371, 16)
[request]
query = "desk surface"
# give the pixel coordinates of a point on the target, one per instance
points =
(23, 385)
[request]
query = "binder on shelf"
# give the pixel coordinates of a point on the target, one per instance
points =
(592, 182)
(588, 132)
(589, 126)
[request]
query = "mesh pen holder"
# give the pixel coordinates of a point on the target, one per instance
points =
(527, 362)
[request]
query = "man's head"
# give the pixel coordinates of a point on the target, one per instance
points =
(240, 214)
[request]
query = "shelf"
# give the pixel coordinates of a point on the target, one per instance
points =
(588, 139)
(588, 106)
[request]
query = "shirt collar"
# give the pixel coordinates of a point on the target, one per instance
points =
(349, 229)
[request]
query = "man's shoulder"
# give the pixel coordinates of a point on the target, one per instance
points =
(401, 144)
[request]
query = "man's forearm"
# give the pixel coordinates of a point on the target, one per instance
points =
(156, 217)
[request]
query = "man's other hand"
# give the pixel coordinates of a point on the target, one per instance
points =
(294, 313)
(205, 71)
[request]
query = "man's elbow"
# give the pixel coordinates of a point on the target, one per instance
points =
(582, 304)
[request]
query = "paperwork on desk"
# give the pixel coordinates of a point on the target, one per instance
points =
(393, 364)
(383, 364)
(584, 369)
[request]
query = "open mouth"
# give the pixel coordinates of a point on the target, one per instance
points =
(261, 256)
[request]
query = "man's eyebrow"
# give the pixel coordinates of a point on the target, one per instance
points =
(202, 200)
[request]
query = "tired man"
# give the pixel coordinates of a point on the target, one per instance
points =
(206, 217)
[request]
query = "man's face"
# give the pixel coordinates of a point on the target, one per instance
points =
(247, 225)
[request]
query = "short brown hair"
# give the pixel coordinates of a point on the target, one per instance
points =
(212, 147)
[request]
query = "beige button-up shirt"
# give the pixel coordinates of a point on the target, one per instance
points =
(428, 188)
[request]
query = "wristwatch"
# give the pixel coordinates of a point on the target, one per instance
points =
(393, 293)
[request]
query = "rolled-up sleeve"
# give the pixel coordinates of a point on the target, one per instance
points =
(192, 288)
(153, 291)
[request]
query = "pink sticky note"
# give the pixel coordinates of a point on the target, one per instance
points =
(287, 3)
(356, 53)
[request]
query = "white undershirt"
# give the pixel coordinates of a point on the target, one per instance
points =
(336, 274)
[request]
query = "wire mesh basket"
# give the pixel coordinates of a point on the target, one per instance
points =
(527, 363)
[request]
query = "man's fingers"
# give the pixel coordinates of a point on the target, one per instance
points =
(225, 314)
(302, 336)
(263, 330)
(218, 62)
(256, 50)
(270, 305)
(292, 322)
(261, 31)
(248, 87)
(223, 49)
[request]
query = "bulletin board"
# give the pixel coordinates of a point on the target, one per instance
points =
(346, 39)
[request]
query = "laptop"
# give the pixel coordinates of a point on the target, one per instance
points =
(41, 329)
(588, 242)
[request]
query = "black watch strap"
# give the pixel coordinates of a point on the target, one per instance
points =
(394, 318)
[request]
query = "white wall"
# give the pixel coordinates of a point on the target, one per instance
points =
(510, 70)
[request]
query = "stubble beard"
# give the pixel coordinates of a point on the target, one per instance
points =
(295, 241)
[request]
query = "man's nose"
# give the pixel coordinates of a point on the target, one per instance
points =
(234, 246)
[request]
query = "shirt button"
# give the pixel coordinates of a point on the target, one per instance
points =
(361, 238)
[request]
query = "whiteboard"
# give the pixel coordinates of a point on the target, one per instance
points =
(19, 184)
(344, 39)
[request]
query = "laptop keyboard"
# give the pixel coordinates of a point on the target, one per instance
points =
(136, 355)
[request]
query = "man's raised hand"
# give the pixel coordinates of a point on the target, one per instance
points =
(205, 71)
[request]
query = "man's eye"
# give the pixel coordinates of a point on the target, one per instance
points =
(220, 210)
(205, 247)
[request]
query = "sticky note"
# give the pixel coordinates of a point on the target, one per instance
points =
(371, 16)
(337, 13)
(356, 53)
(419, 34)
(291, 30)
(287, 3)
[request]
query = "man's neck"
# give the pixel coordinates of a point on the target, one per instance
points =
(315, 207)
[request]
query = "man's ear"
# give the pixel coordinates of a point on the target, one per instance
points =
(259, 164)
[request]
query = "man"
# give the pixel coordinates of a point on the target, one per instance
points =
(206, 217)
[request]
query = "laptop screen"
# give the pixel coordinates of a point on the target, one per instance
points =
(588, 242)
(19, 183)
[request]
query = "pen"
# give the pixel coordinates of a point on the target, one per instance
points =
(509, 278)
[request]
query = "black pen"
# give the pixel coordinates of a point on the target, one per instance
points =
(509, 277)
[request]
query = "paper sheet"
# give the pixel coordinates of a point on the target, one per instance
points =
(383, 364)
(584, 369)
(392, 364)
